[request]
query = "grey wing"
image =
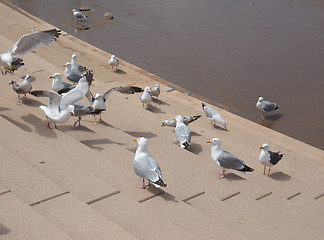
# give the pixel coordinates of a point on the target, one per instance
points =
(31, 41)
(74, 77)
(54, 98)
(81, 109)
(209, 111)
(228, 160)
(182, 133)
(81, 68)
(90, 97)
(275, 157)
(75, 95)
(190, 119)
(171, 123)
(105, 95)
(269, 106)
(144, 169)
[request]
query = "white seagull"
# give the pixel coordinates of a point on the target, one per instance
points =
(214, 116)
(155, 91)
(75, 67)
(146, 97)
(268, 158)
(146, 167)
(186, 120)
(182, 133)
(22, 87)
(70, 74)
(78, 15)
(26, 44)
(226, 160)
(60, 107)
(113, 62)
(266, 106)
(57, 83)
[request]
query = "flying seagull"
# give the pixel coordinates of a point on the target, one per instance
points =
(145, 166)
(268, 158)
(26, 44)
(186, 120)
(266, 106)
(226, 160)
(214, 116)
(22, 87)
(182, 133)
(60, 107)
(99, 101)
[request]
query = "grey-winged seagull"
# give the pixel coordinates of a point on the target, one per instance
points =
(182, 133)
(268, 158)
(113, 62)
(79, 15)
(57, 83)
(266, 106)
(22, 87)
(155, 91)
(214, 116)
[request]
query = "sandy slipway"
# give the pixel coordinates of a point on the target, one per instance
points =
(79, 183)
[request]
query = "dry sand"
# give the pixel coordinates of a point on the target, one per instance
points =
(78, 183)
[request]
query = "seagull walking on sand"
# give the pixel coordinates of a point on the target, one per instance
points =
(155, 91)
(268, 158)
(214, 116)
(146, 167)
(146, 97)
(226, 160)
(79, 15)
(182, 133)
(27, 43)
(22, 87)
(60, 107)
(57, 83)
(99, 101)
(113, 62)
(265, 107)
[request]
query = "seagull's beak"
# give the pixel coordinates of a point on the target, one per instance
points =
(135, 139)
(64, 65)
(226, 129)
(73, 113)
(51, 77)
(96, 98)
(261, 147)
(150, 91)
(208, 141)
(10, 67)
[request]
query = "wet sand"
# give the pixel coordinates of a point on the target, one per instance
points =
(231, 52)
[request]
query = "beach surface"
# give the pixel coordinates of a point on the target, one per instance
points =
(79, 183)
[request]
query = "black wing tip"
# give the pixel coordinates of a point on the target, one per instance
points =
(203, 105)
(160, 183)
(196, 117)
(276, 107)
(247, 169)
(186, 144)
(35, 93)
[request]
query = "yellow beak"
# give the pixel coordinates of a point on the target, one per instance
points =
(226, 129)
(10, 66)
(51, 77)
(73, 113)
(150, 91)
(208, 141)
(135, 139)
(261, 147)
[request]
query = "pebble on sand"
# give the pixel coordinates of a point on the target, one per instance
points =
(108, 15)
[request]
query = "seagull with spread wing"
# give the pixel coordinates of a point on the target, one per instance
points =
(99, 101)
(27, 43)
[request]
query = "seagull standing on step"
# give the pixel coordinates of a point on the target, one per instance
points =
(75, 67)
(22, 87)
(146, 97)
(113, 62)
(155, 91)
(146, 167)
(182, 133)
(268, 158)
(70, 74)
(226, 160)
(24, 45)
(79, 15)
(265, 107)
(214, 116)
(57, 83)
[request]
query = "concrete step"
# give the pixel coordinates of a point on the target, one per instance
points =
(20, 221)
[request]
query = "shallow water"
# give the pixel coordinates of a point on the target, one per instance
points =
(230, 51)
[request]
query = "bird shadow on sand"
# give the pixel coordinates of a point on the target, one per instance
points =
(67, 128)
(4, 230)
(195, 134)
(17, 124)
(4, 109)
(141, 134)
(195, 148)
(160, 102)
(119, 71)
(95, 143)
(31, 102)
(154, 109)
(40, 126)
(214, 126)
(280, 176)
(233, 177)
(161, 193)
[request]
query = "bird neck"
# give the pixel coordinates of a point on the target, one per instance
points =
(141, 150)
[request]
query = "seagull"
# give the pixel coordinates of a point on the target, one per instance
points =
(268, 158)
(70, 74)
(214, 116)
(78, 15)
(182, 133)
(58, 84)
(60, 107)
(83, 110)
(186, 120)
(26, 44)
(113, 62)
(99, 101)
(146, 97)
(226, 160)
(155, 91)
(146, 167)
(265, 107)
(75, 67)
(22, 87)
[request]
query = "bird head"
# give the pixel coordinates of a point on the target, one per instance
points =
(215, 141)
(265, 147)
